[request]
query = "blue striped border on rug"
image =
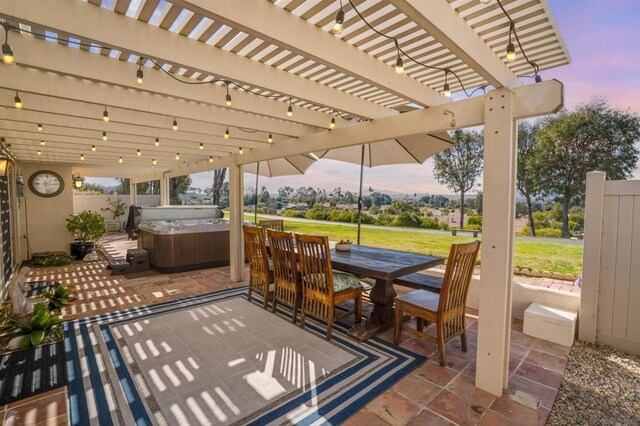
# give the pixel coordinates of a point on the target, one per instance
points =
(343, 393)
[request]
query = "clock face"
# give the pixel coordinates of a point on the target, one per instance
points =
(46, 183)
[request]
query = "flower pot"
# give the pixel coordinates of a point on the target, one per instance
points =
(79, 250)
(113, 225)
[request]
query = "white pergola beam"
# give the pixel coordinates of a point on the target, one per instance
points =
(40, 54)
(28, 80)
(529, 101)
(446, 26)
(282, 28)
(120, 32)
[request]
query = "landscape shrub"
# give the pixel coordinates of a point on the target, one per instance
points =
(548, 232)
(384, 219)
(472, 227)
(430, 223)
(408, 220)
(293, 213)
(317, 213)
(474, 220)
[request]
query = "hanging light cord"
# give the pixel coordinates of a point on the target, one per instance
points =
(512, 30)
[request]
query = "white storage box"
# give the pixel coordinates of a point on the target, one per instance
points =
(552, 324)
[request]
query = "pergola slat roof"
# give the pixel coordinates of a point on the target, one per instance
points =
(283, 49)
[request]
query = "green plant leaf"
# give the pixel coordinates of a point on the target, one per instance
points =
(25, 342)
(37, 337)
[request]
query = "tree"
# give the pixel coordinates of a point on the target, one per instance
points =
(285, 192)
(149, 188)
(594, 136)
(216, 188)
(178, 185)
(528, 175)
(459, 166)
(122, 187)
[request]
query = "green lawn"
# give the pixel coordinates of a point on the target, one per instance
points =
(541, 255)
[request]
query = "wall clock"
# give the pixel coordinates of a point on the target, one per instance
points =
(46, 183)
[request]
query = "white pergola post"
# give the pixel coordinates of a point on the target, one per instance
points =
(500, 154)
(133, 193)
(164, 191)
(236, 219)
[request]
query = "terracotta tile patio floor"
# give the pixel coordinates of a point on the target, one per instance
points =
(429, 395)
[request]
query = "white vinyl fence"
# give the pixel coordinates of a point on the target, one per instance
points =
(96, 202)
(610, 306)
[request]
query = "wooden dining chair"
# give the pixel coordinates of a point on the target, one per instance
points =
(285, 271)
(260, 275)
(276, 225)
(322, 287)
(447, 309)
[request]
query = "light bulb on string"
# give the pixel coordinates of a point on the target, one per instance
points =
(139, 72)
(40, 128)
(399, 64)
(270, 138)
(211, 158)
(338, 26)
(105, 115)
(93, 148)
(511, 48)
(201, 145)
(104, 136)
(445, 90)
(228, 97)
(157, 141)
(81, 157)
(174, 127)
(332, 124)
(17, 101)
(43, 143)
(227, 134)
(240, 151)
(154, 162)
(177, 155)
(120, 160)
(38, 152)
(290, 109)
(138, 153)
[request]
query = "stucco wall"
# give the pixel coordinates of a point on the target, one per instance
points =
(44, 218)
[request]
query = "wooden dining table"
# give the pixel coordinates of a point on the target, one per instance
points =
(384, 266)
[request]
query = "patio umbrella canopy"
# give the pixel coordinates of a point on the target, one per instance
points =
(292, 165)
(405, 150)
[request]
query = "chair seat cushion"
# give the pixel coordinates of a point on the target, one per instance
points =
(422, 299)
(342, 282)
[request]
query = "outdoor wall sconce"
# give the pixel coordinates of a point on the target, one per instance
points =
(452, 123)
(77, 181)
(4, 166)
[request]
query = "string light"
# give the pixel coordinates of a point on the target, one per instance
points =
(177, 155)
(201, 145)
(42, 143)
(138, 153)
(93, 148)
(211, 158)
(81, 157)
(7, 51)
(40, 128)
(120, 160)
(511, 49)
(338, 26)
(104, 136)
(154, 162)
(17, 100)
(240, 151)
(39, 152)
(399, 62)
(105, 115)
(174, 127)
(228, 97)
(226, 133)
(270, 138)
(445, 90)
(290, 109)
(157, 142)
(140, 73)
(332, 125)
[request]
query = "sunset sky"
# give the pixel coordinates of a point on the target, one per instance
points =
(603, 38)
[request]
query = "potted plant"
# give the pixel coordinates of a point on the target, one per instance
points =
(60, 296)
(343, 245)
(87, 227)
(117, 208)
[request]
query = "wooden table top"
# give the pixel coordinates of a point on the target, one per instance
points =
(379, 263)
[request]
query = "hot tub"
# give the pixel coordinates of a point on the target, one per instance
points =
(176, 245)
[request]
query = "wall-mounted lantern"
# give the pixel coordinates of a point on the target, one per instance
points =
(77, 181)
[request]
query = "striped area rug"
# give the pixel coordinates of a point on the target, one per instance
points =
(219, 359)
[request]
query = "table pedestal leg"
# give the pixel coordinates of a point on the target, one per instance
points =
(382, 296)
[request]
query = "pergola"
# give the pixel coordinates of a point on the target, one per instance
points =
(77, 59)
